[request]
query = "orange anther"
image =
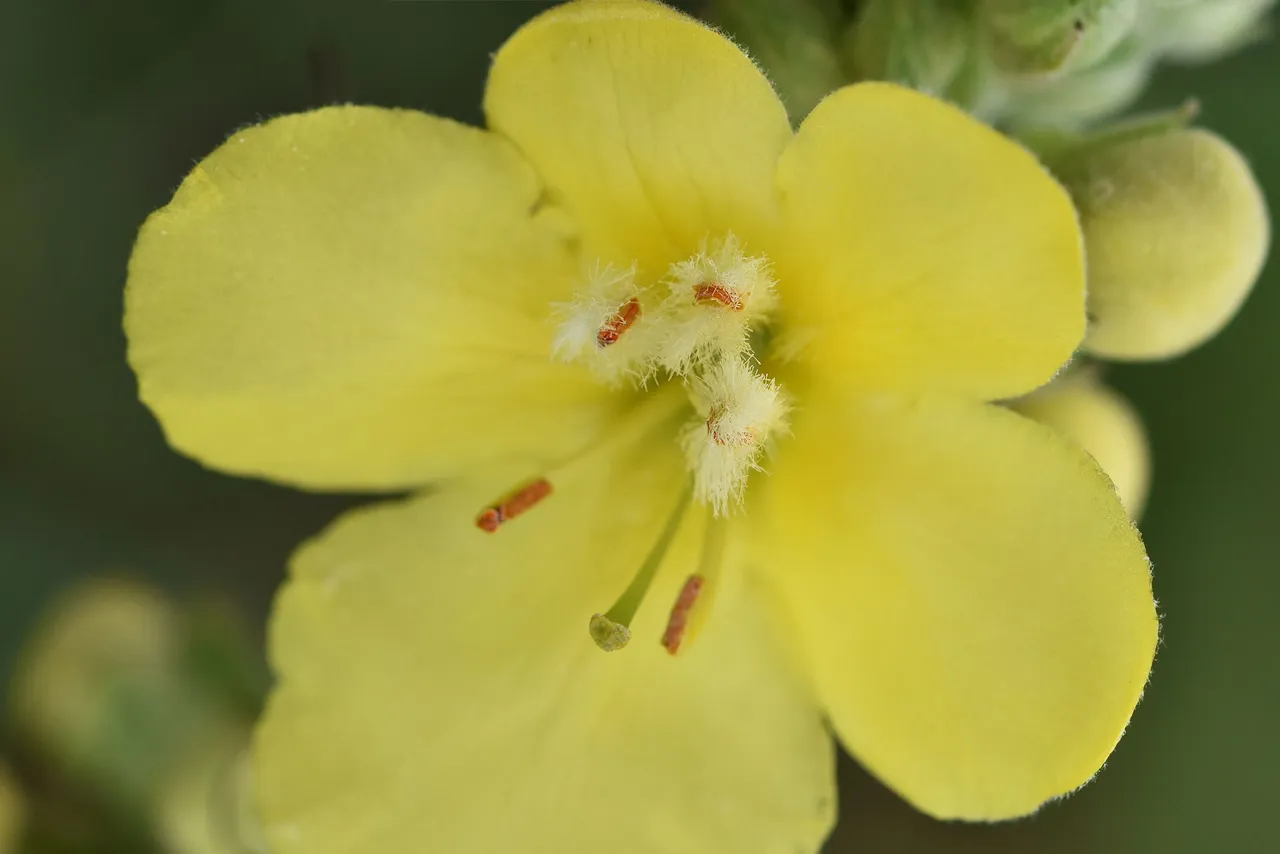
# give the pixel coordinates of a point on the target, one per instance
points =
(712, 293)
(492, 517)
(626, 315)
(679, 618)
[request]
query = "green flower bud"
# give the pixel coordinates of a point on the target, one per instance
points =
(106, 693)
(1082, 97)
(794, 41)
(12, 813)
(203, 806)
(1201, 30)
(1175, 230)
(919, 43)
(1048, 36)
(1085, 410)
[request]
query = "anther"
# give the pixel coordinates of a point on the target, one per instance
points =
(492, 517)
(680, 611)
(613, 328)
(714, 299)
(714, 293)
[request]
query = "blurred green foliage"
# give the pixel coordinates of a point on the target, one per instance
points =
(104, 107)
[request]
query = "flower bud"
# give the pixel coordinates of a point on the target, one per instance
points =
(1079, 406)
(1175, 230)
(793, 40)
(1052, 36)
(12, 813)
(1201, 30)
(203, 806)
(919, 43)
(112, 688)
(1076, 99)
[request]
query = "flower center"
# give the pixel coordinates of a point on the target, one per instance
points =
(699, 326)
(694, 326)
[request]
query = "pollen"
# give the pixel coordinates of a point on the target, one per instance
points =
(621, 320)
(740, 411)
(491, 518)
(679, 619)
(713, 301)
(603, 325)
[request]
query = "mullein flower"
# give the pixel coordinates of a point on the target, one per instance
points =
(683, 385)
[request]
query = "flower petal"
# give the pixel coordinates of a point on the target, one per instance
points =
(356, 297)
(439, 690)
(1097, 418)
(653, 130)
(975, 605)
(925, 250)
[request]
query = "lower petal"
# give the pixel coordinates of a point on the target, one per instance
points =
(439, 691)
(975, 605)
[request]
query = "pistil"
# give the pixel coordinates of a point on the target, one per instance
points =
(612, 629)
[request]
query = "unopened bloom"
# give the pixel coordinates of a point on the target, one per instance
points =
(686, 386)
(1080, 406)
(1176, 230)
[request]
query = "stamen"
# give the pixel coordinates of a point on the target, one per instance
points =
(612, 629)
(591, 326)
(613, 328)
(680, 613)
(492, 517)
(742, 410)
(714, 299)
(710, 566)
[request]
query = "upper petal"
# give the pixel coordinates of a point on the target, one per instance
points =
(356, 297)
(439, 691)
(651, 128)
(924, 250)
(975, 604)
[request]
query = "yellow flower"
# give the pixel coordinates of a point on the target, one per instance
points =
(767, 404)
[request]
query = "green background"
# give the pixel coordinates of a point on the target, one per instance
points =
(105, 106)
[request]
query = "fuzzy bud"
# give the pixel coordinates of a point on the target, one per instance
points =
(1079, 406)
(1175, 230)
(1201, 30)
(12, 813)
(794, 41)
(1052, 36)
(919, 43)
